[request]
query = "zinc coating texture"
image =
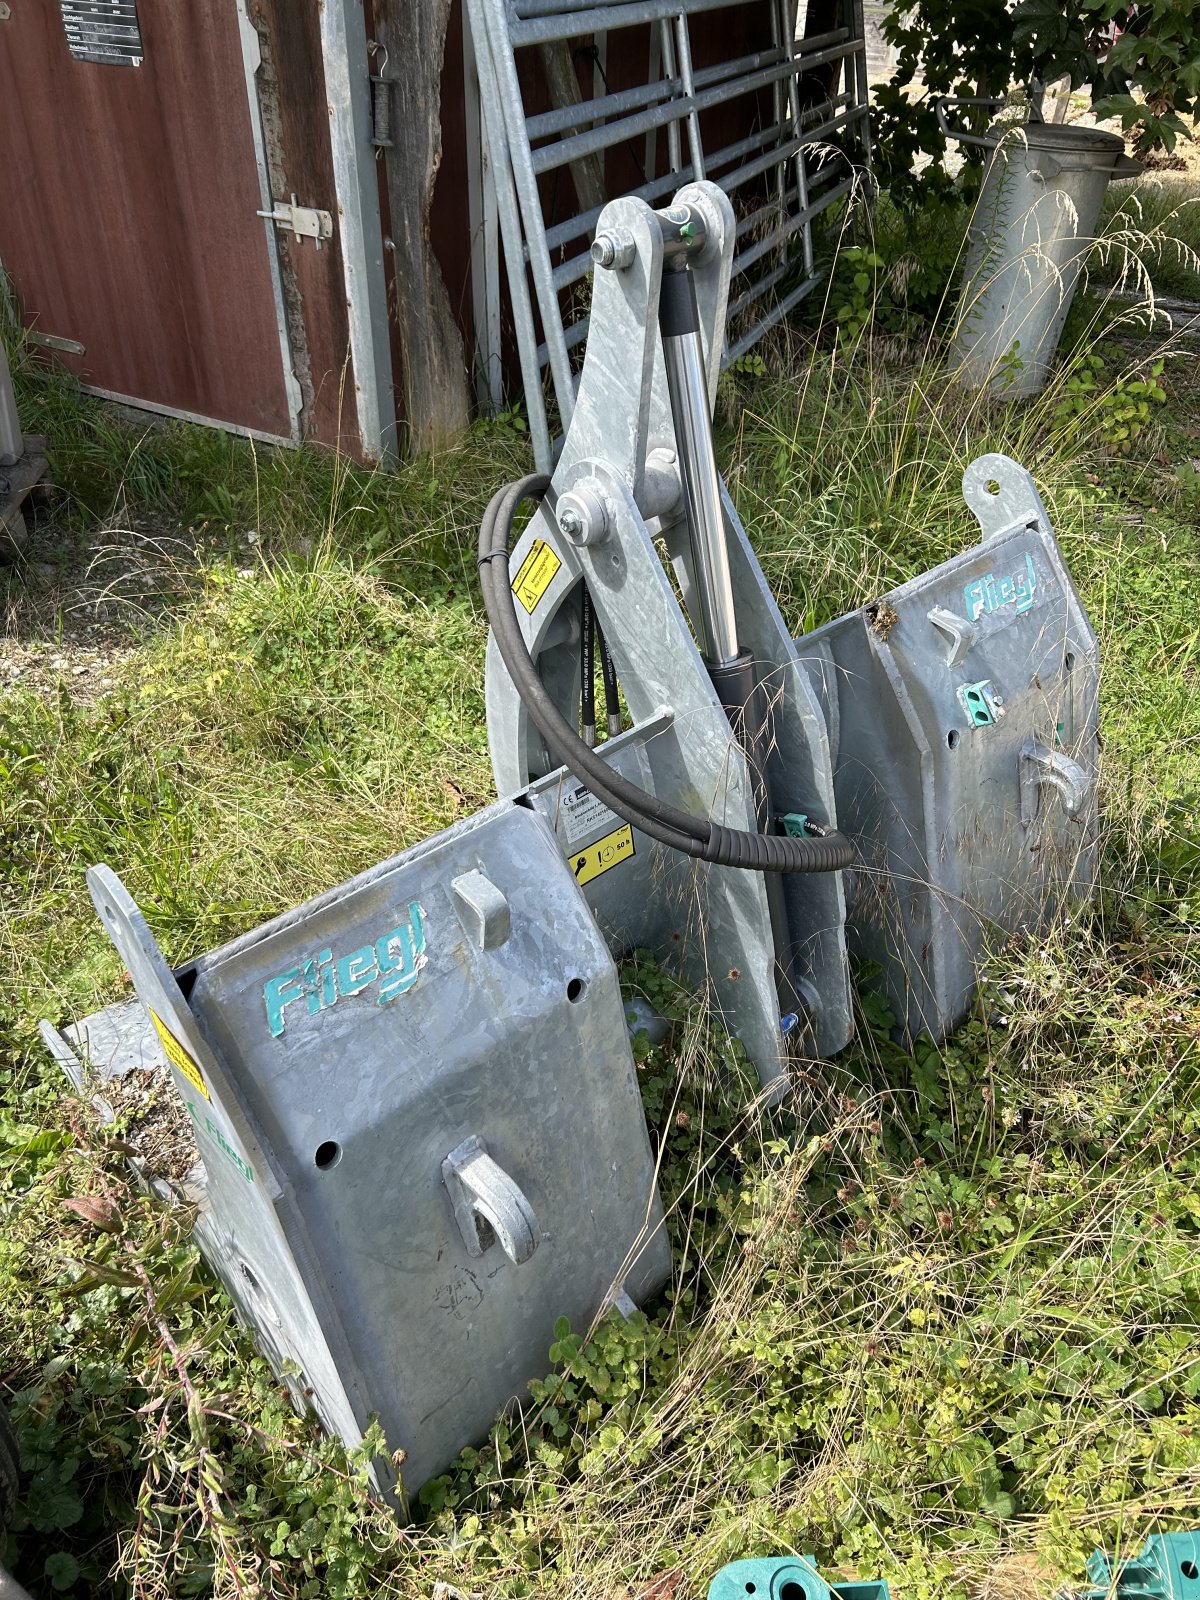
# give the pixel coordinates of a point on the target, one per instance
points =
(1035, 218)
(964, 832)
(324, 1142)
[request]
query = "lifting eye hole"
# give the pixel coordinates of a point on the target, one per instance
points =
(952, 739)
(328, 1154)
(993, 488)
(1069, 662)
(1189, 1569)
(576, 989)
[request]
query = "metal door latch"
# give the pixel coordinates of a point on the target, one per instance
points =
(305, 222)
(483, 1193)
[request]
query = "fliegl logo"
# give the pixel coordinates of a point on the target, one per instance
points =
(993, 593)
(394, 962)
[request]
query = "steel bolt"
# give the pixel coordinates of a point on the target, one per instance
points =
(583, 516)
(613, 250)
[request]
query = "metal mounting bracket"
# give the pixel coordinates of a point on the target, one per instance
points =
(958, 631)
(1039, 766)
(481, 1191)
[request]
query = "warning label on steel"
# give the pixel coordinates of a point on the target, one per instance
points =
(606, 853)
(178, 1056)
(536, 575)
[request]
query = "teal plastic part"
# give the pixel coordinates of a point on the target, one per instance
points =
(1166, 1568)
(978, 702)
(795, 824)
(787, 1578)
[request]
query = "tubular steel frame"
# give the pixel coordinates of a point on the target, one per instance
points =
(792, 152)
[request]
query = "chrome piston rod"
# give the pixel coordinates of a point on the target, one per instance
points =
(687, 386)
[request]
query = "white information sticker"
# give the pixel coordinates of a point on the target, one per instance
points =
(581, 815)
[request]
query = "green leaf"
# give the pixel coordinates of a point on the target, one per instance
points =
(62, 1569)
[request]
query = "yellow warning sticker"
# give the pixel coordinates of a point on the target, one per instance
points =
(178, 1056)
(536, 574)
(602, 856)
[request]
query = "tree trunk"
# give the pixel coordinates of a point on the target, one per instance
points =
(563, 83)
(434, 369)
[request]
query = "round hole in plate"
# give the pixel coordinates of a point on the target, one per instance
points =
(751, 1588)
(576, 989)
(329, 1153)
(993, 486)
(792, 1591)
(248, 1275)
(1069, 662)
(952, 738)
(1189, 1569)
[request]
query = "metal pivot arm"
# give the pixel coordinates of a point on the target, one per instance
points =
(629, 459)
(480, 1189)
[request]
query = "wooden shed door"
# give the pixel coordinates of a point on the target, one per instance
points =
(128, 201)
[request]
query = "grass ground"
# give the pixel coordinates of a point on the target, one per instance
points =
(936, 1319)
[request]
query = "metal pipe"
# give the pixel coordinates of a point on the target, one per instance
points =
(502, 167)
(547, 123)
(683, 48)
(688, 390)
(564, 151)
(670, 68)
(537, 20)
(494, 18)
(576, 332)
(583, 225)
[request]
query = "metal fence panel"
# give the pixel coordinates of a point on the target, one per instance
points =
(783, 175)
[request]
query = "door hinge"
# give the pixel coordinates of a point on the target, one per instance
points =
(305, 222)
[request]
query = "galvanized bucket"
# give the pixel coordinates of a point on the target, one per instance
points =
(1036, 215)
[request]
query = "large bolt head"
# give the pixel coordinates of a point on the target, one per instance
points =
(613, 250)
(582, 516)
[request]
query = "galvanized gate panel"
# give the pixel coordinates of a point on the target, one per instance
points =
(783, 175)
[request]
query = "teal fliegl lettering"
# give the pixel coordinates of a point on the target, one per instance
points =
(989, 593)
(394, 961)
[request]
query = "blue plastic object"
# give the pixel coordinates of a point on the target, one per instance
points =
(788, 1578)
(1166, 1568)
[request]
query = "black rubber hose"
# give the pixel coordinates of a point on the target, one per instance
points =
(612, 697)
(621, 796)
(694, 836)
(587, 667)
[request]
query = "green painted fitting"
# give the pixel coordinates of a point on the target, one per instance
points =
(795, 824)
(787, 1578)
(1166, 1568)
(979, 703)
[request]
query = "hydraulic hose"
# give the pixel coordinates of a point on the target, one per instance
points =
(693, 836)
